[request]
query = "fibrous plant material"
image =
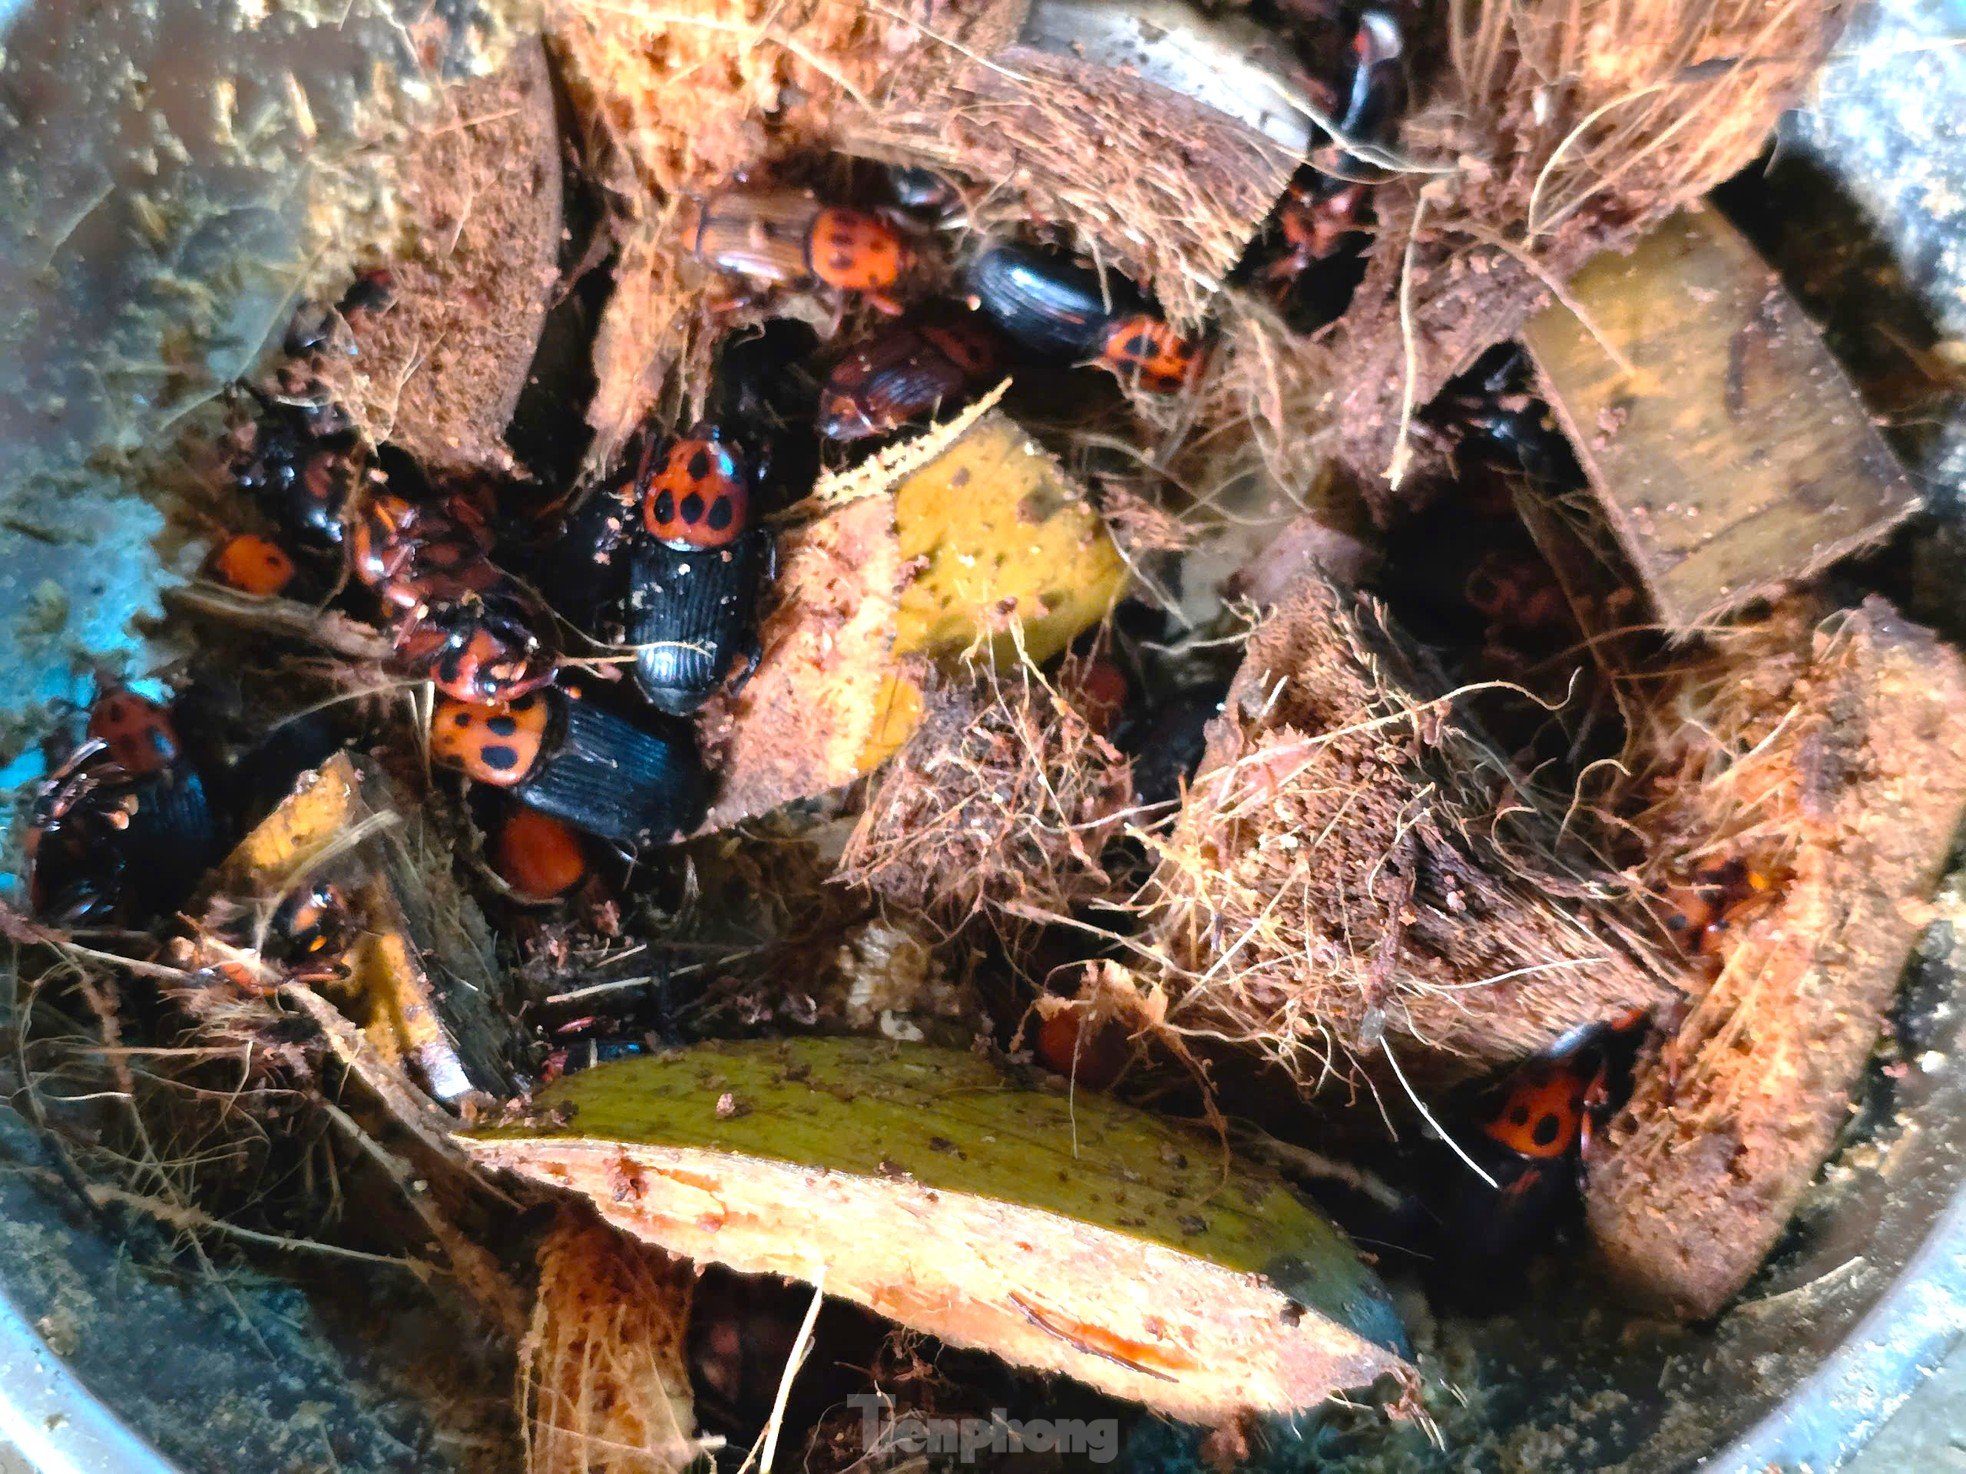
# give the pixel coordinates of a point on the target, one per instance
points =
(419, 975)
(1005, 797)
(1827, 758)
(603, 1380)
(1733, 457)
(1558, 129)
(969, 540)
(679, 99)
(1079, 1237)
(1354, 874)
(1161, 188)
(439, 367)
(827, 677)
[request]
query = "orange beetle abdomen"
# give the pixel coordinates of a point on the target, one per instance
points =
(1542, 1113)
(252, 565)
(498, 744)
(138, 733)
(538, 856)
(698, 497)
(1147, 347)
(855, 251)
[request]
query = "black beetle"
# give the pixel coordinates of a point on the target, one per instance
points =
(578, 762)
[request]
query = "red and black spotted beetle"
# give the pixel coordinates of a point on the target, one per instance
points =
(1327, 211)
(462, 622)
(1061, 309)
(575, 761)
(1532, 1134)
(253, 565)
(305, 463)
(695, 574)
(1716, 898)
(785, 237)
(122, 829)
(908, 370)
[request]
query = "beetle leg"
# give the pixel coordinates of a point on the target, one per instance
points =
(753, 654)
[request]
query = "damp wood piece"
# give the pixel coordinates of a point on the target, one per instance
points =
(1734, 457)
(439, 367)
(969, 541)
(1518, 184)
(1826, 758)
(1355, 875)
(603, 1375)
(423, 981)
(1079, 1237)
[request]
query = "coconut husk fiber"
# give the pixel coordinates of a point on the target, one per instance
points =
(1556, 129)
(440, 369)
(1355, 875)
(1162, 189)
(1003, 799)
(1826, 752)
(603, 1381)
(677, 100)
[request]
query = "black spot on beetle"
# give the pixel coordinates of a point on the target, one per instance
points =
(502, 726)
(1140, 345)
(692, 508)
(699, 464)
(462, 719)
(665, 507)
(1520, 1115)
(499, 758)
(722, 514)
(842, 261)
(1547, 1131)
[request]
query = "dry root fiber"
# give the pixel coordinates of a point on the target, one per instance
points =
(1830, 759)
(1003, 799)
(440, 370)
(1559, 128)
(1353, 873)
(603, 1381)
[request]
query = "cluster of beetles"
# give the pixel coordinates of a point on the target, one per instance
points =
(516, 620)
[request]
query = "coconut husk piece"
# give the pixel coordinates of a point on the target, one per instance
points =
(1354, 875)
(440, 370)
(678, 100)
(1075, 1236)
(1004, 797)
(1734, 458)
(421, 978)
(966, 541)
(1163, 189)
(1559, 129)
(603, 1378)
(1828, 754)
